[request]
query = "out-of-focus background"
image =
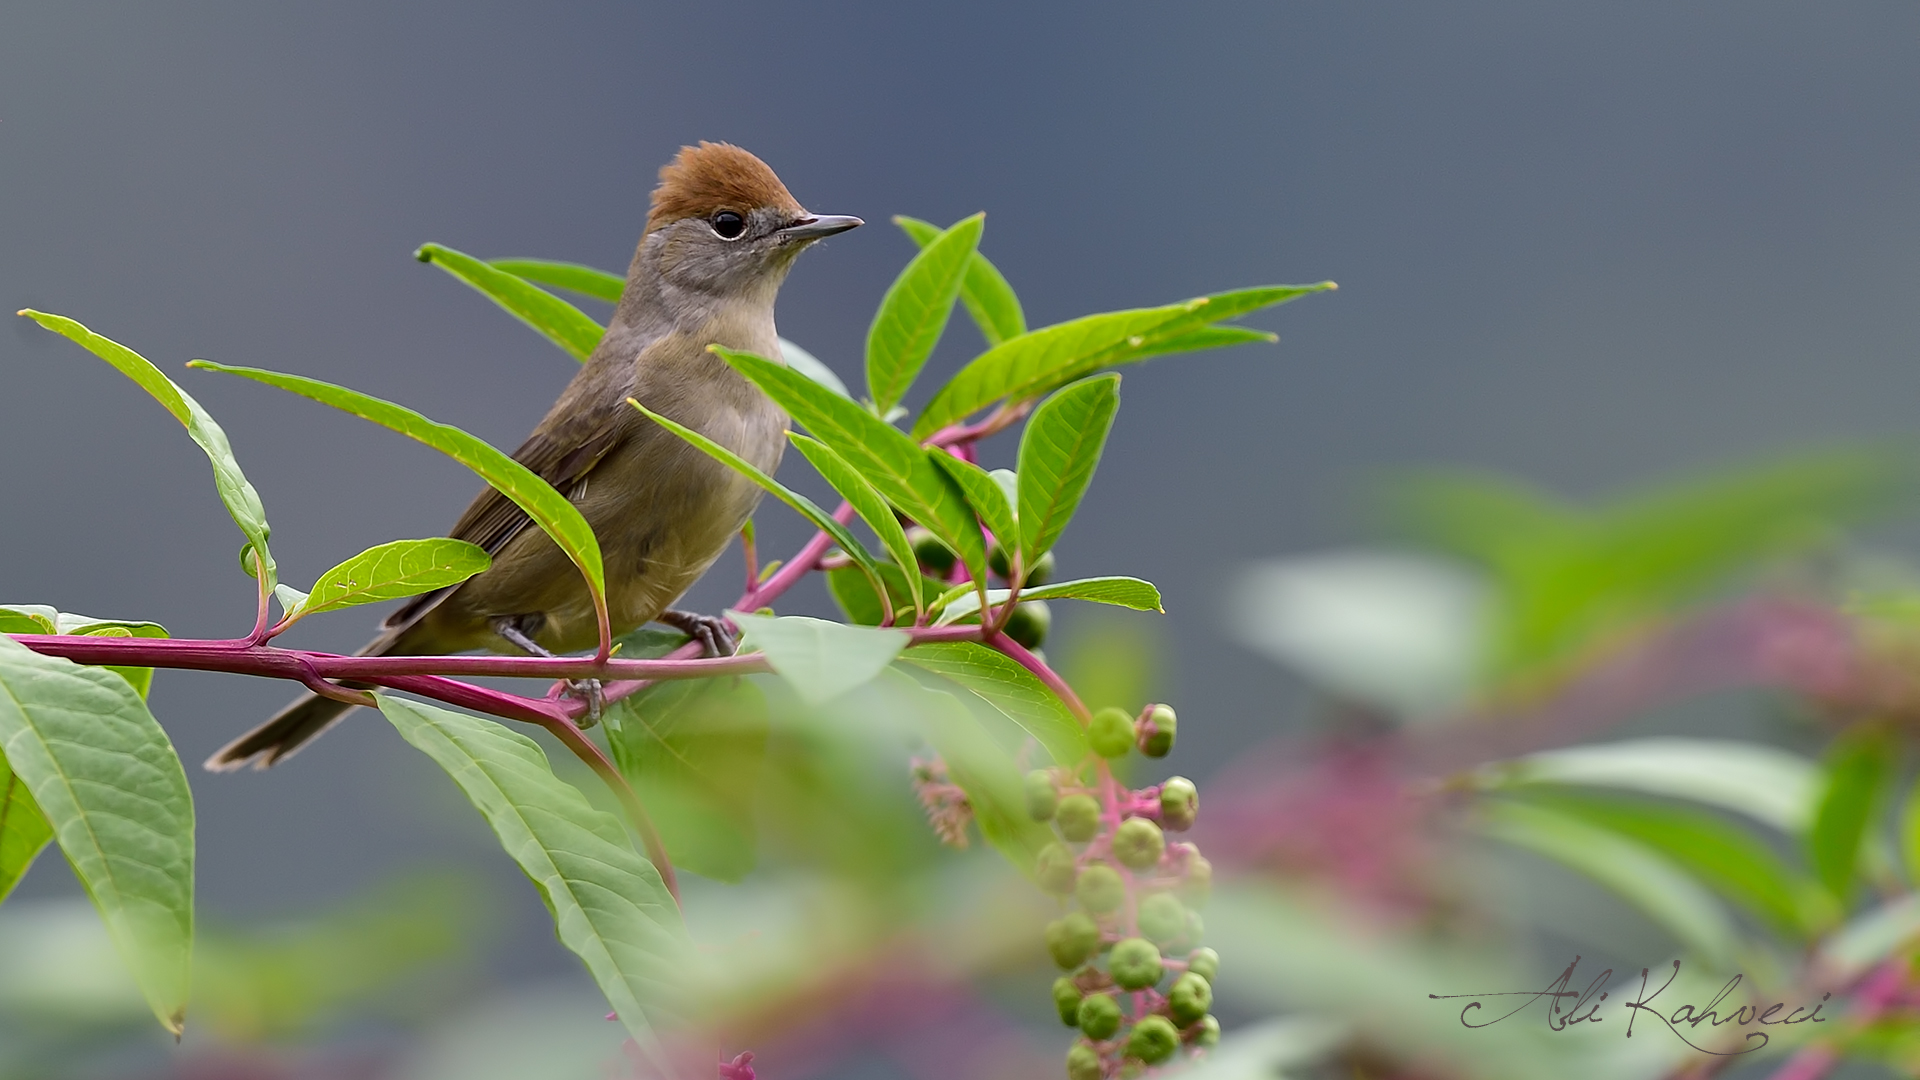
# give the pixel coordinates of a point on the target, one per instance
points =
(1591, 248)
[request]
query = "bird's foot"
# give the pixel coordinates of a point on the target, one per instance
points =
(513, 629)
(589, 691)
(711, 631)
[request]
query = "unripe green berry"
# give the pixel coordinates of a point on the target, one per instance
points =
(1134, 964)
(1162, 917)
(1072, 939)
(1196, 926)
(1054, 869)
(1208, 1033)
(1189, 999)
(1099, 1016)
(1083, 1063)
(1138, 843)
(1156, 731)
(1041, 571)
(1078, 817)
(1100, 889)
(1197, 885)
(1042, 796)
(932, 553)
(1179, 803)
(1029, 623)
(997, 561)
(1111, 732)
(1204, 963)
(1153, 1040)
(1066, 1001)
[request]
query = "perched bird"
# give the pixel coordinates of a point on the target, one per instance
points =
(720, 237)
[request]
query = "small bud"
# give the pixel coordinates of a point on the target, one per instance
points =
(1072, 939)
(1078, 817)
(1153, 1040)
(936, 556)
(1207, 1032)
(1100, 889)
(1041, 571)
(1189, 999)
(1083, 1063)
(1066, 1001)
(1204, 963)
(1139, 843)
(1179, 803)
(1029, 623)
(1197, 885)
(1054, 868)
(1134, 964)
(1099, 1016)
(1156, 729)
(1042, 796)
(1162, 917)
(1111, 732)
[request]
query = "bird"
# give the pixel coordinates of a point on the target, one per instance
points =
(722, 231)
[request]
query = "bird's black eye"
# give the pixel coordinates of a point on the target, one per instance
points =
(728, 224)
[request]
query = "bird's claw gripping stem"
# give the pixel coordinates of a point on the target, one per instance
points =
(714, 635)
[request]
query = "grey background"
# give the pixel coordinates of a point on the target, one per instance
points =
(1589, 244)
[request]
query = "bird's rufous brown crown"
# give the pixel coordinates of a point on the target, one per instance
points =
(703, 180)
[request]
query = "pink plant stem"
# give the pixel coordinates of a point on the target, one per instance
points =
(795, 569)
(1878, 992)
(1018, 653)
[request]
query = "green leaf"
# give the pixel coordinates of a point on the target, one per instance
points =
(1058, 453)
(140, 678)
(871, 507)
(993, 783)
(393, 570)
(1123, 592)
(1665, 893)
(608, 904)
(28, 619)
(1773, 786)
(23, 829)
(984, 494)
(1006, 686)
(811, 366)
(572, 277)
(989, 299)
(109, 783)
(807, 507)
(1029, 365)
(241, 500)
(560, 322)
(1859, 768)
(854, 593)
(821, 659)
(1871, 937)
(695, 750)
(893, 463)
(547, 507)
(914, 312)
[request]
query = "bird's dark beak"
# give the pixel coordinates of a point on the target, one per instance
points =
(814, 226)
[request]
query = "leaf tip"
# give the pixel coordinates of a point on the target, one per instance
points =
(426, 252)
(203, 365)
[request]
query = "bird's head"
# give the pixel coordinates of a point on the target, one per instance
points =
(723, 224)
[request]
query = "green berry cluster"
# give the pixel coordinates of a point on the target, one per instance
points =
(1030, 620)
(1137, 985)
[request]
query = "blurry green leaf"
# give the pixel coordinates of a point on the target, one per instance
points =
(649, 643)
(994, 785)
(1871, 937)
(394, 570)
(28, 619)
(548, 508)
(1641, 876)
(1058, 453)
(695, 749)
(849, 587)
(1910, 833)
(893, 463)
(811, 366)
(872, 508)
(1006, 686)
(23, 829)
(983, 494)
(820, 659)
(1858, 770)
(1119, 591)
(1770, 785)
(914, 312)
(989, 299)
(1271, 1049)
(109, 783)
(608, 904)
(1035, 362)
(572, 277)
(241, 500)
(560, 322)
(1732, 861)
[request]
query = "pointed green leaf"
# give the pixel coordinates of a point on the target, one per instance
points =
(1038, 360)
(24, 830)
(572, 277)
(28, 619)
(1017, 693)
(989, 299)
(109, 783)
(1058, 453)
(821, 659)
(241, 500)
(871, 507)
(1773, 786)
(1859, 768)
(994, 785)
(560, 322)
(1126, 592)
(811, 366)
(853, 591)
(893, 463)
(394, 570)
(983, 494)
(694, 749)
(914, 312)
(547, 507)
(609, 905)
